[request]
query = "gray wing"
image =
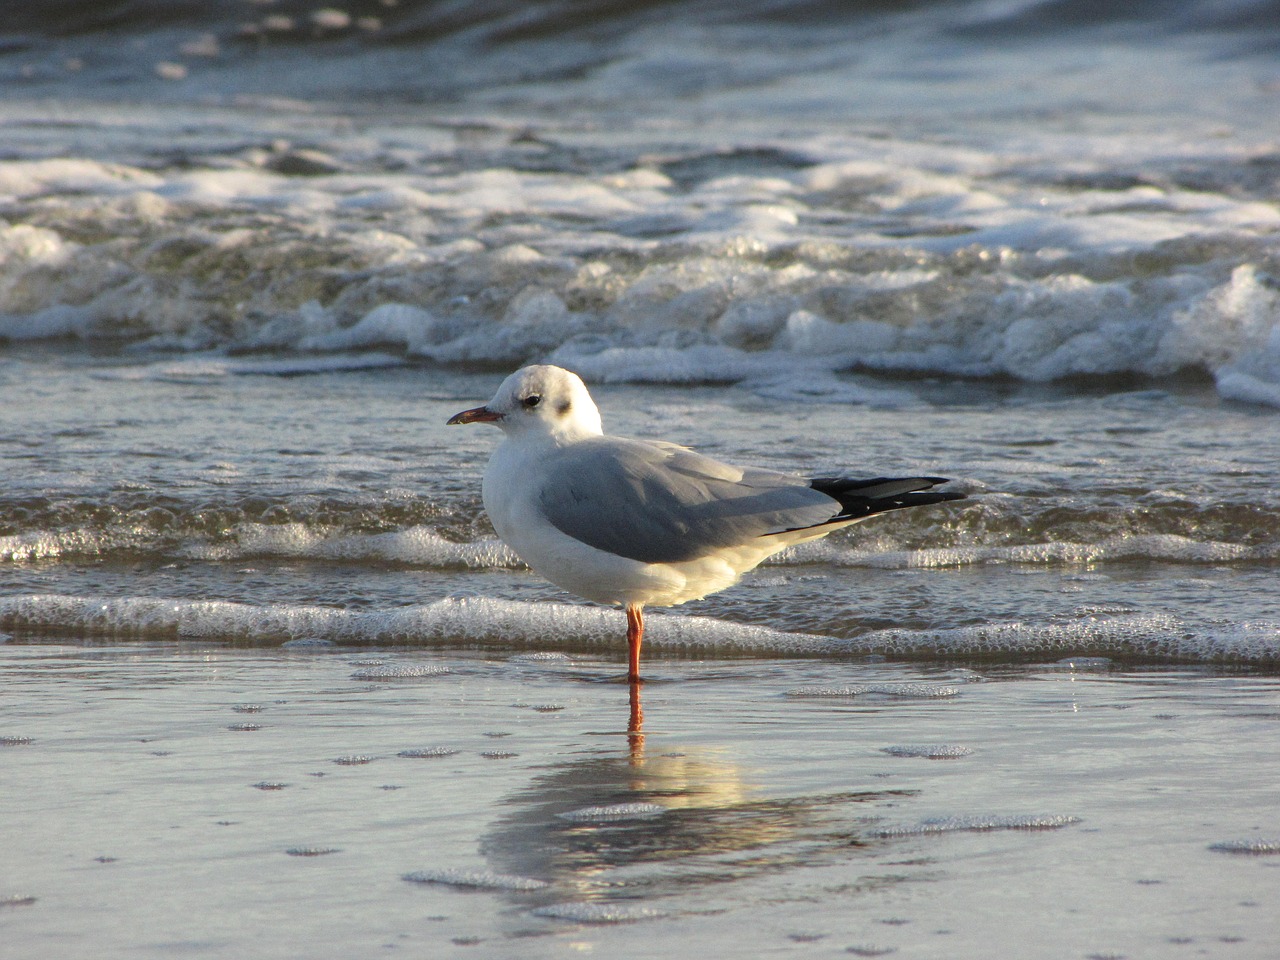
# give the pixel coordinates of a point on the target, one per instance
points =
(660, 503)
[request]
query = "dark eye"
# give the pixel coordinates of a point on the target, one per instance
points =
(531, 401)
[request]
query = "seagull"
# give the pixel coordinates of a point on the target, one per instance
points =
(636, 523)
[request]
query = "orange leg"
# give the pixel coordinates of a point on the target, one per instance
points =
(635, 636)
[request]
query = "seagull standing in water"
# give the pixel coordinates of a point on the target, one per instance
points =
(638, 523)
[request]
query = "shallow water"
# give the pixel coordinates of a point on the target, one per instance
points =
(253, 507)
(223, 802)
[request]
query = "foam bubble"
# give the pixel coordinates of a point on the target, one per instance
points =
(477, 879)
(979, 824)
(427, 753)
(906, 691)
(601, 913)
(32, 546)
(1249, 847)
(613, 813)
(933, 751)
(542, 656)
(400, 671)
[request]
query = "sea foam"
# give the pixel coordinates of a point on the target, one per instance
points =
(633, 275)
(509, 624)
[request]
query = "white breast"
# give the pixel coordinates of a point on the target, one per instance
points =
(511, 496)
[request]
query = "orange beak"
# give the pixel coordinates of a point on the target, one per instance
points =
(474, 415)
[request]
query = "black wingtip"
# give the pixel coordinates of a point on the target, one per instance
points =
(864, 497)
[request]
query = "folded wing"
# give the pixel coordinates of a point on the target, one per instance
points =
(661, 503)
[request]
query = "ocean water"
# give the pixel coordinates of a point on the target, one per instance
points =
(273, 688)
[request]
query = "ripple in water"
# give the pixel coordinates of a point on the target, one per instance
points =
(1085, 663)
(307, 643)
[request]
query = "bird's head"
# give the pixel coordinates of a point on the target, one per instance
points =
(539, 400)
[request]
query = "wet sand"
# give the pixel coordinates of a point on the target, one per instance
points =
(198, 800)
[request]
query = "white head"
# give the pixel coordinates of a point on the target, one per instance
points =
(540, 400)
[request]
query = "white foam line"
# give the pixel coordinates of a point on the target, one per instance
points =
(1168, 547)
(423, 546)
(416, 545)
(1151, 636)
(509, 623)
(449, 621)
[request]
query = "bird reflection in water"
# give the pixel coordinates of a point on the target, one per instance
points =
(620, 825)
(635, 725)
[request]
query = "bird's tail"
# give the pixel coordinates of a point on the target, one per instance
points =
(863, 498)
